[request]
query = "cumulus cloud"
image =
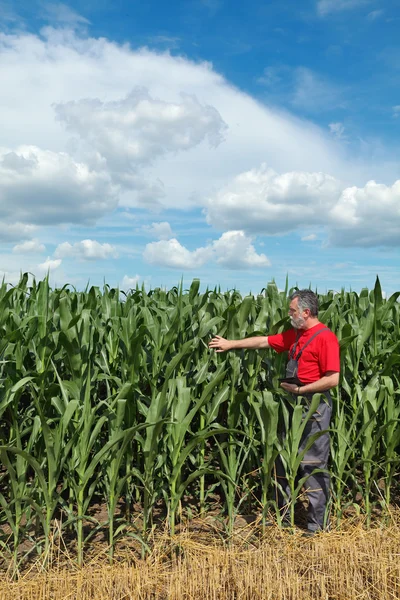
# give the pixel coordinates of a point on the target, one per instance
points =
(44, 187)
(263, 201)
(30, 246)
(151, 147)
(86, 250)
(138, 128)
(161, 231)
(170, 253)
(130, 282)
(367, 216)
(48, 265)
(137, 192)
(164, 156)
(309, 238)
(233, 250)
(14, 232)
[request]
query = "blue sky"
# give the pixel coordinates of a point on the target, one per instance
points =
(237, 142)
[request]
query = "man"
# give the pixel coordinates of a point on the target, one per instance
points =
(313, 366)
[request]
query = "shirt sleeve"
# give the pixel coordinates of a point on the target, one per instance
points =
(281, 342)
(329, 354)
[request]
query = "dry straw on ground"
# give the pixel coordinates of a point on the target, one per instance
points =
(353, 564)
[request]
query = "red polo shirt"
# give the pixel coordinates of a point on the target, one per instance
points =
(320, 356)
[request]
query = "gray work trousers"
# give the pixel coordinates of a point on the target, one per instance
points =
(317, 485)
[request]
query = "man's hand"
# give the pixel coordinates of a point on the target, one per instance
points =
(292, 388)
(220, 344)
(327, 382)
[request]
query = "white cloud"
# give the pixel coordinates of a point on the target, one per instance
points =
(51, 175)
(130, 282)
(30, 246)
(161, 231)
(326, 7)
(86, 250)
(14, 232)
(337, 130)
(233, 250)
(138, 128)
(309, 238)
(368, 216)
(170, 253)
(137, 192)
(263, 201)
(48, 265)
(162, 133)
(44, 187)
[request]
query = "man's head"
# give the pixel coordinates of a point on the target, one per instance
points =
(303, 308)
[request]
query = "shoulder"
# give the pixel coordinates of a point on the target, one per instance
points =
(282, 341)
(327, 336)
(320, 333)
(324, 329)
(329, 333)
(289, 334)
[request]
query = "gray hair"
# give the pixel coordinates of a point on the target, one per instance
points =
(307, 299)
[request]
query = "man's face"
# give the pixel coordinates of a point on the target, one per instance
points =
(297, 316)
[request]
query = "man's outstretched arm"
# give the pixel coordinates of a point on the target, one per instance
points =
(220, 344)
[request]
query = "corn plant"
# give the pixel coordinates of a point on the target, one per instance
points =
(114, 398)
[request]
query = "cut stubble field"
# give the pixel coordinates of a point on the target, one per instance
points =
(351, 564)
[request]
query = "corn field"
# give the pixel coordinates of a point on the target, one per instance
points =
(115, 399)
